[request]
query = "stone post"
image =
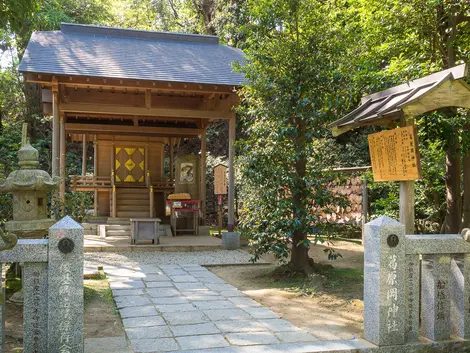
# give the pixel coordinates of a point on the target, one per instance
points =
(460, 300)
(435, 296)
(2, 313)
(384, 282)
(65, 280)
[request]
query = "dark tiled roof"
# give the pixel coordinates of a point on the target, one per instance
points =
(391, 103)
(96, 51)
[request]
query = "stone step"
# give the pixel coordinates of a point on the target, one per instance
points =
(125, 226)
(118, 233)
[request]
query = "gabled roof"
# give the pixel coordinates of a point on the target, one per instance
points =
(107, 52)
(442, 89)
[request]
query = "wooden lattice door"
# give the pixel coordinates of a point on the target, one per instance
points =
(130, 165)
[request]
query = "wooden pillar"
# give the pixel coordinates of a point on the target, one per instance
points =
(203, 176)
(152, 200)
(95, 173)
(84, 143)
(146, 166)
(113, 180)
(55, 127)
(62, 158)
(171, 159)
(231, 173)
(407, 194)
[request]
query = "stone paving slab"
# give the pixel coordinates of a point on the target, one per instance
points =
(204, 341)
(107, 344)
(197, 329)
(176, 308)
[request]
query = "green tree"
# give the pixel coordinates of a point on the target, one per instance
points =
(296, 60)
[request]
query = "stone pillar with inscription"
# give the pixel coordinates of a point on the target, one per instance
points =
(412, 279)
(35, 310)
(460, 300)
(384, 282)
(435, 296)
(65, 280)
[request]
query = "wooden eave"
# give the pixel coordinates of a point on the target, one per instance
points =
(154, 86)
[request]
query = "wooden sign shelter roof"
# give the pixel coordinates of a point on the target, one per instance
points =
(442, 89)
(105, 52)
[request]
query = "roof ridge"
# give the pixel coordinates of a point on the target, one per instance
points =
(136, 33)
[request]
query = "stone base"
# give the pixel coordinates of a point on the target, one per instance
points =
(204, 230)
(231, 240)
(353, 346)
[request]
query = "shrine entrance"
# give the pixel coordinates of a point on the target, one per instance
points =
(129, 165)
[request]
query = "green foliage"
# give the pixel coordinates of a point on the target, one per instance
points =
(76, 205)
(296, 67)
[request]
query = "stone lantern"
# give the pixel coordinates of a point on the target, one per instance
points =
(29, 187)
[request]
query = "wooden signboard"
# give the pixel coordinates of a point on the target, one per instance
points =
(220, 180)
(394, 154)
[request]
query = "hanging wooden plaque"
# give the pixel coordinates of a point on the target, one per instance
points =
(394, 154)
(220, 180)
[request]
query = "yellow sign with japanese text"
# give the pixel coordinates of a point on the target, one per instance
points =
(394, 154)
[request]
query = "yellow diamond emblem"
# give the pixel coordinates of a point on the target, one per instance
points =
(129, 178)
(130, 164)
(130, 151)
(117, 164)
(141, 165)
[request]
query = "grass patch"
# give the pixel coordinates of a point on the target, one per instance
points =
(95, 289)
(326, 278)
(13, 284)
(214, 231)
(342, 277)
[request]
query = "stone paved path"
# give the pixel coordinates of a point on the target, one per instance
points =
(187, 307)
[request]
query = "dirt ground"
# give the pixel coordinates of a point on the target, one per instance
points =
(101, 317)
(329, 306)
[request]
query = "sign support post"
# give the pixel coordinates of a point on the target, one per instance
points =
(220, 189)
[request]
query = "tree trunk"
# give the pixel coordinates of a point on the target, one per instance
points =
(452, 182)
(300, 260)
(466, 192)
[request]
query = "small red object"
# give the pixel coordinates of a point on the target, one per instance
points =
(220, 199)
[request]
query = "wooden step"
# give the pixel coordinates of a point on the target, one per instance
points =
(127, 202)
(132, 214)
(132, 208)
(132, 197)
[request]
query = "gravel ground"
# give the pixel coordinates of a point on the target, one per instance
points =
(217, 257)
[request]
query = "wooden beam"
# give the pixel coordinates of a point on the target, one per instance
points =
(81, 81)
(55, 128)
(84, 151)
(203, 176)
(95, 173)
(148, 99)
(407, 194)
(131, 130)
(62, 161)
(231, 173)
(125, 110)
(171, 159)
